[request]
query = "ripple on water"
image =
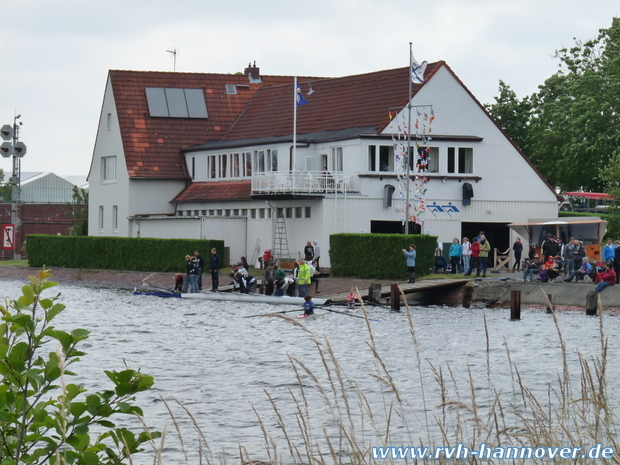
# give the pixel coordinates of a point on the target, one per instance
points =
(219, 364)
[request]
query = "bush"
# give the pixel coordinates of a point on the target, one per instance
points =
(115, 253)
(43, 419)
(379, 255)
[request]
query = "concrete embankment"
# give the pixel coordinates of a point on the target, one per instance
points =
(565, 294)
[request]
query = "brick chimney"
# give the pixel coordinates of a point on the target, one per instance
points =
(253, 73)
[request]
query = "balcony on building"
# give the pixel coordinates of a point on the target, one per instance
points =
(296, 184)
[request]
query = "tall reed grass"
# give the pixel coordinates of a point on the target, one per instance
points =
(576, 411)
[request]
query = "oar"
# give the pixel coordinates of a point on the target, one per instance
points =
(143, 284)
(279, 313)
(349, 314)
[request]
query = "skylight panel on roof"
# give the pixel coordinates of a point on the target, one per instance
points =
(231, 89)
(196, 105)
(156, 98)
(176, 103)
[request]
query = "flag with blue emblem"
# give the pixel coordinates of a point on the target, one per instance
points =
(417, 71)
(301, 100)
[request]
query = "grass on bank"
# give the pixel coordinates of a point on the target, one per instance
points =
(23, 262)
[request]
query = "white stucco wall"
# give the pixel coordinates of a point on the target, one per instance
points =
(107, 194)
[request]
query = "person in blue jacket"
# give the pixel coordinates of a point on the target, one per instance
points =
(411, 254)
(456, 252)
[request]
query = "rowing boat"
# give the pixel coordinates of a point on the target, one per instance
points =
(157, 293)
(253, 298)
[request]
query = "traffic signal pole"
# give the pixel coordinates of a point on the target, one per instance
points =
(16, 150)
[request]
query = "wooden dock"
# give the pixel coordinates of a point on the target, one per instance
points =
(407, 288)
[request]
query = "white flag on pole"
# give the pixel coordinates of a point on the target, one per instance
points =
(417, 71)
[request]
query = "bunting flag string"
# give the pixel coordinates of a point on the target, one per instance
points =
(417, 161)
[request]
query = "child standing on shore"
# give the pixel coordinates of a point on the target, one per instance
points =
(351, 298)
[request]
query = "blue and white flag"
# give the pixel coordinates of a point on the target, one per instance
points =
(301, 100)
(417, 71)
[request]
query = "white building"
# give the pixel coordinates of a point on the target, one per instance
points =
(211, 156)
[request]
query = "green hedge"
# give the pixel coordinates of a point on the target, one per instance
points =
(379, 256)
(115, 253)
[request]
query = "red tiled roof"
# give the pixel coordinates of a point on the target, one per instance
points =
(223, 190)
(152, 145)
(336, 103)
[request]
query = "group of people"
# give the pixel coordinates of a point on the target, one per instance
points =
(192, 280)
(303, 275)
(567, 261)
(312, 253)
(469, 256)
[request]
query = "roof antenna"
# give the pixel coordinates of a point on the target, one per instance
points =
(174, 52)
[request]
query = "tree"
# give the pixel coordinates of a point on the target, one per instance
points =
(572, 128)
(78, 210)
(512, 114)
(42, 419)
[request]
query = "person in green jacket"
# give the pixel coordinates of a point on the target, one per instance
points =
(304, 276)
(485, 248)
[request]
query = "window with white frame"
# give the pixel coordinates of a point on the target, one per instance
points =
(247, 163)
(259, 161)
(264, 161)
(433, 160)
(115, 218)
(460, 160)
(335, 162)
(273, 159)
(223, 163)
(100, 218)
(235, 165)
(212, 167)
(108, 169)
(381, 158)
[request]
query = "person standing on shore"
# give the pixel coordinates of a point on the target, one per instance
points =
(485, 248)
(608, 251)
(188, 266)
(194, 274)
(411, 256)
(568, 257)
(201, 262)
(466, 254)
(517, 248)
(475, 258)
(214, 268)
(270, 278)
(304, 277)
(317, 255)
(456, 250)
(308, 252)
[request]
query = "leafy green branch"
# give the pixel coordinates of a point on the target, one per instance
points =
(43, 419)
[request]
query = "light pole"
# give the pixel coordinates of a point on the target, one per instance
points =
(17, 150)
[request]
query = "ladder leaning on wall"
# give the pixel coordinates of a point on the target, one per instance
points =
(280, 242)
(256, 253)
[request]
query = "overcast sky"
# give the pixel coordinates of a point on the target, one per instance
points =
(56, 53)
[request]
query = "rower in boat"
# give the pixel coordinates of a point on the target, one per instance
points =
(308, 307)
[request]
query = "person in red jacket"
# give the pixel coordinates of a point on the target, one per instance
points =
(475, 257)
(608, 278)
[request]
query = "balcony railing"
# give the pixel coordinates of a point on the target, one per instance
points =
(301, 182)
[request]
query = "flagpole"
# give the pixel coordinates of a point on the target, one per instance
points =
(293, 159)
(409, 156)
